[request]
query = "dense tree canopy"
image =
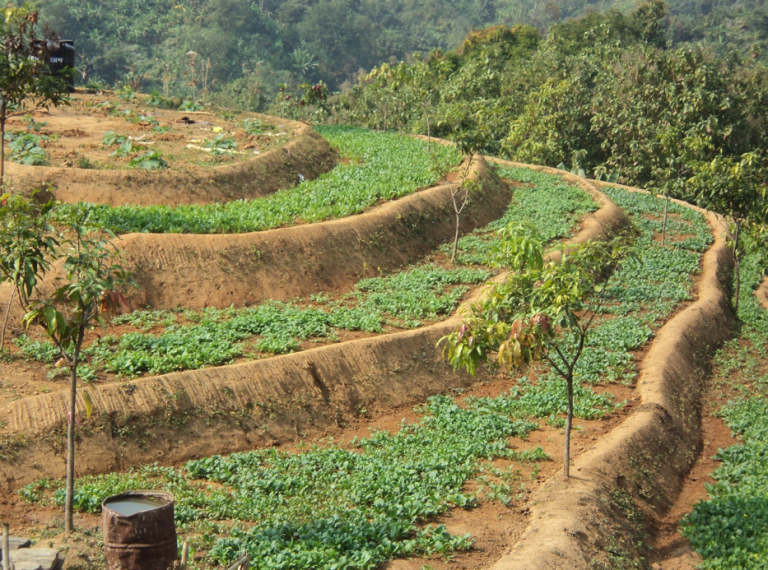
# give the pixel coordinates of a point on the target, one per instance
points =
(247, 48)
(605, 92)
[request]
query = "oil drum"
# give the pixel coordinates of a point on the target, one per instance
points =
(139, 531)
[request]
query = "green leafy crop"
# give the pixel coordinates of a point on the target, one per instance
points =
(25, 148)
(385, 166)
(150, 160)
(332, 506)
(543, 200)
(214, 337)
(730, 529)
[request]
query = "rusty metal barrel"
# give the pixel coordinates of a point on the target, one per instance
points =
(139, 531)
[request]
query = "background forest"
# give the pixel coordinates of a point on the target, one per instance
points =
(245, 49)
(651, 91)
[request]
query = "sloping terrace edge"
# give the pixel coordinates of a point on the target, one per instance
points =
(306, 154)
(632, 475)
(219, 270)
(762, 293)
(226, 409)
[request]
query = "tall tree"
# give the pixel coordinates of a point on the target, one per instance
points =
(736, 188)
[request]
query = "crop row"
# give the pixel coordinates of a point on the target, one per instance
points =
(212, 337)
(730, 529)
(647, 288)
(546, 201)
(355, 506)
(166, 341)
(383, 166)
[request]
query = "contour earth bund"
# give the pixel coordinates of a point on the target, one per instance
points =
(628, 470)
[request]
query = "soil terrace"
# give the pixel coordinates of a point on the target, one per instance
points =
(83, 168)
(322, 391)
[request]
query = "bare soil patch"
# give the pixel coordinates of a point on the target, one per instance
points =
(211, 156)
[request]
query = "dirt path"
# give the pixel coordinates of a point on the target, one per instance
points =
(670, 550)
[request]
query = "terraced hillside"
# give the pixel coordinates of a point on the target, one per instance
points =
(280, 375)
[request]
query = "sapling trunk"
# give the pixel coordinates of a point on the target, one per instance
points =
(458, 209)
(737, 267)
(456, 239)
(68, 505)
(69, 502)
(429, 136)
(568, 423)
(5, 320)
(664, 223)
(3, 111)
(6, 546)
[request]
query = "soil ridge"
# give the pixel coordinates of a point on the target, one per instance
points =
(256, 403)
(198, 271)
(631, 476)
(306, 155)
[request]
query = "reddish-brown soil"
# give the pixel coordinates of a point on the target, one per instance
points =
(670, 551)
(494, 526)
(76, 132)
(497, 528)
(82, 168)
(599, 518)
(197, 271)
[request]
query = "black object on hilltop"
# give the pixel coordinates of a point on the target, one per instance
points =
(60, 56)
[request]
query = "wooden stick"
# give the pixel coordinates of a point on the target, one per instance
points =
(6, 546)
(184, 554)
(243, 563)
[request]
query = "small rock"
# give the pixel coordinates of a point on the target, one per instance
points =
(36, 559)
(16, 542)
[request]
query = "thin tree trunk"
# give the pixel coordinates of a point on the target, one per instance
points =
(568, 422)
(429, 136)
(2, 143)
(664, 223)
(737, 267)
(5, 320)
(68, 505)
(456, 239)
(386, 112)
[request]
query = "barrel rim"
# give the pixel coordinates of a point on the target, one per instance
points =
(162, 495)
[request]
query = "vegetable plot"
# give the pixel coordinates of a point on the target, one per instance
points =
(335, 507)
(730, 529)
(544, 200)
(383, 166)
(213, 337)
(358, 505)
(190, 340)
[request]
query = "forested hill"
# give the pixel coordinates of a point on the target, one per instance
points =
(244, 49)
